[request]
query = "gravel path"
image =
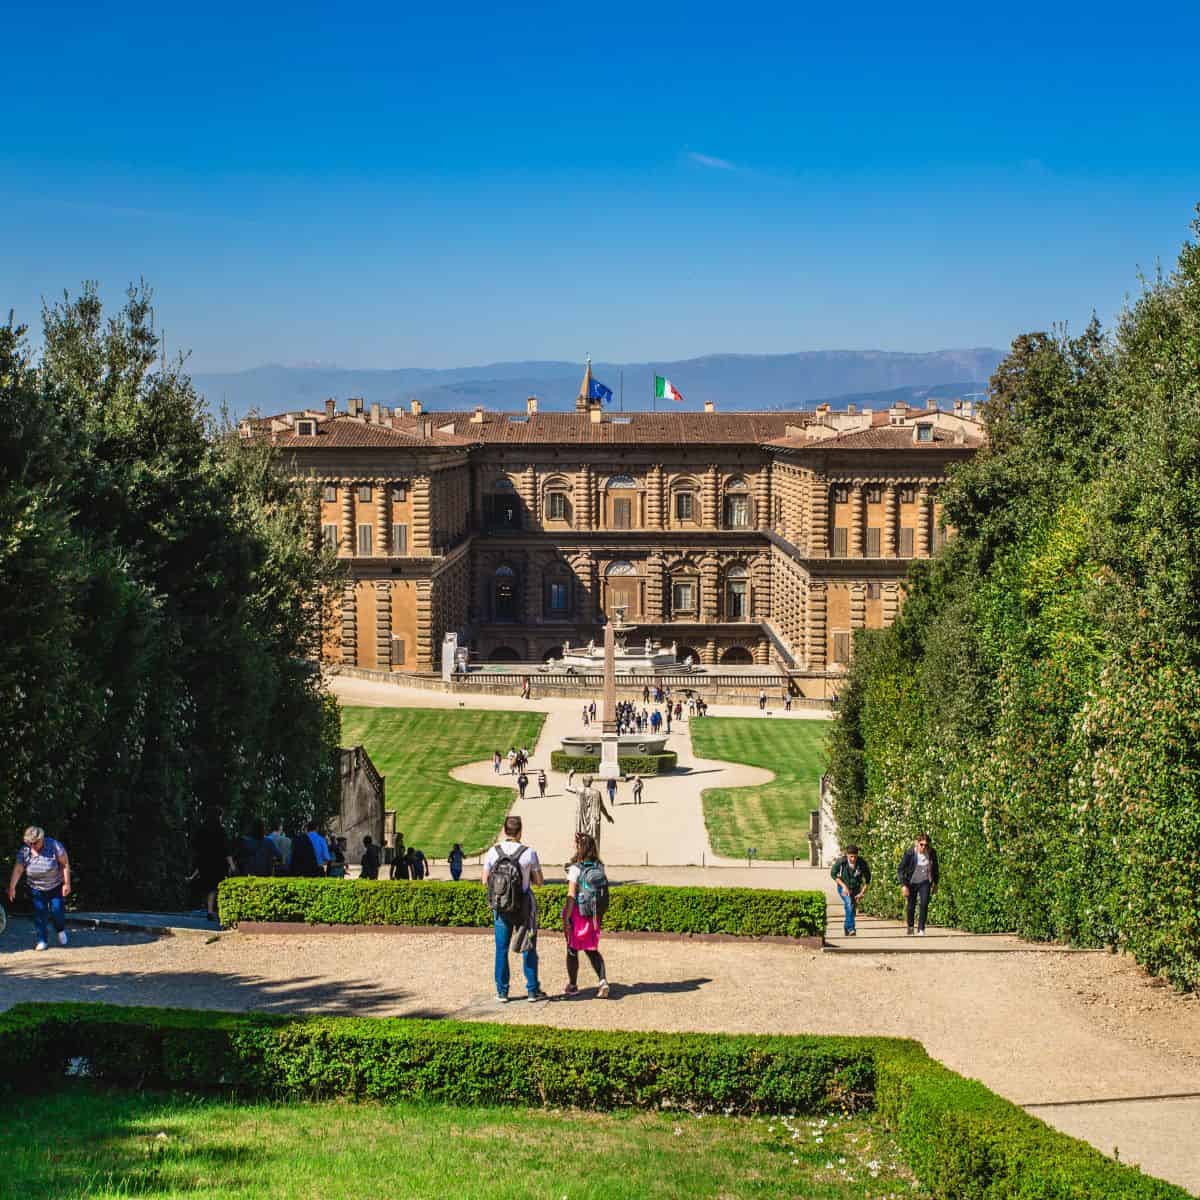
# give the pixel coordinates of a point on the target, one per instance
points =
(1040, 1027)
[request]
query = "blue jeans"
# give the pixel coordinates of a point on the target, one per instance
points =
(504, 927)
(848, 905)
(456, 872)
(51, 902)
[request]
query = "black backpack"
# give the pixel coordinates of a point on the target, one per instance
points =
(506, 885)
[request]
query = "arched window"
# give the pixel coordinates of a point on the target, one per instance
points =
(685, 502)
(621, 567)
(556, 597)
(622, 590)
(683, 653)
(737, 656)
(504, 594)
(621, 481)
(621, 505)
(737, 593)
(556, 501)
(503, 504)
(737, 504)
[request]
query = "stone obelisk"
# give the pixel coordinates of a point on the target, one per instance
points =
(610, 767)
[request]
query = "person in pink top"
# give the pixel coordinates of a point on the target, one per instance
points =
(587, 901)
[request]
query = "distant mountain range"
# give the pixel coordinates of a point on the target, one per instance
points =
(733, 381)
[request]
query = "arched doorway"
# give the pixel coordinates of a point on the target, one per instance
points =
(554, 654)
(737, 656)
(504, 593)
(504, 654)
(683, 653)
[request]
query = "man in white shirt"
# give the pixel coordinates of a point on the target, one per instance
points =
(516, 869)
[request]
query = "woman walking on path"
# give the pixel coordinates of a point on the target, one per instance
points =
(852, 874)
(212, 859)
(47, 870)
(918, 875)
(455, 861)
(587, 898)
(496, 760)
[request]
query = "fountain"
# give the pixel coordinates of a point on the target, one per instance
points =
(609, 745)
(648, 658)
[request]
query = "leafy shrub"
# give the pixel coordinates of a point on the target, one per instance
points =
(630, 764)
(448, 1061)
(744, 912)
(962, 1141)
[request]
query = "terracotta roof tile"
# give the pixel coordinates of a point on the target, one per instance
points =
(342, 431)
(880, 437)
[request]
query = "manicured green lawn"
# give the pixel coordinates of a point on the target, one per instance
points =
(80, 1143)
(772, 818)
(415, 748)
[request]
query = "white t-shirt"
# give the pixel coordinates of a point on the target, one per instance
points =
(528, 862)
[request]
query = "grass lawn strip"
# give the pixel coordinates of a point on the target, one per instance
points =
(415, 750)
(771, 817)
(80, 1142)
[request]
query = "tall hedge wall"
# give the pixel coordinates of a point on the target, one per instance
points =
(746, 912)
(1036, 706)
(962, 1141)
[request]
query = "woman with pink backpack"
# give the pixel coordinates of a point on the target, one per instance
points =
(587, 901)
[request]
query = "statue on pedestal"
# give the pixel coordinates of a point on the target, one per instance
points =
(590, 809)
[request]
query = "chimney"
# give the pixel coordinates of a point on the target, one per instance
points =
(958, 407)
(968, 409)
(595, 414)
(330, 407)
(709, 406)
(427, 427)
(374, 414)
(354, 406)
(850, 410)
(477, 415)
(531, 406)
(822, 410)
(415, 405)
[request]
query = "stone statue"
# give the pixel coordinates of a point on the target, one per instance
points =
(649, 648)
(591, 808)
(592, 646)
(675, 650)
(689, 661)
(566, 648)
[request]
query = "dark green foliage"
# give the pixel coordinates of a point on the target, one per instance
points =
(962, 1141)
(1036, 706)
(630, 764)
(743, 912)
(448, 1061)
(156, 605)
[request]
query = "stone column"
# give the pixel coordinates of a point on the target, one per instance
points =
(654, 589)
(708, 589)
(383, 625)
(529, 496)
(420, 540)
(762, 496)
(858, 606)
(817, 638)
(425, 624)
(383, 518)
(857, 519)
(890, 536)
(712, 513)
(891, 602)
(610, 678)
(349, 533)
(349, 625)
(762, 653)
(819, 537)
(654, 497)
(924, 511)
(710, 650)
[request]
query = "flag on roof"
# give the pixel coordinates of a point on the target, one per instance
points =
(664, 389)
(597, 391)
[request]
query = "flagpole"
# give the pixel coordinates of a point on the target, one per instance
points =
(653, 392)
(620, 389)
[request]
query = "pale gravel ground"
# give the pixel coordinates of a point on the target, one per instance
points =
(1037, 1026)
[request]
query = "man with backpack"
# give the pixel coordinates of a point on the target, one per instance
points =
(509, 871)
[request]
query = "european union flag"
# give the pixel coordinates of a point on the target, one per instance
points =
(597, 391)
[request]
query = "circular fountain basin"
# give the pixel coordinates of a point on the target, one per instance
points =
(581, 746)
(628, 663)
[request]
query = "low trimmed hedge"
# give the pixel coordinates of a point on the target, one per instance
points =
(453, 1062)
(630, 764)
(962, 1141)
(741, 912)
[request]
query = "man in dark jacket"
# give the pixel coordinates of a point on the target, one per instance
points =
(369, 863)
(918, 876)
(852, 873)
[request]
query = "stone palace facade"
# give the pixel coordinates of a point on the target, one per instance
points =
(756, 537)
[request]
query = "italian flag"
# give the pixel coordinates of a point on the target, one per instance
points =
(664, 389)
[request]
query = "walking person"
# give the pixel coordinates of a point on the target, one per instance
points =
(852, 874)
(587, 901)
(455, 862)
(787, 702)
(509, 872)
(918, 875)
(283, 844)
(541, 782)
(637, 789)
(399, 859)
(762, 700)
(496, 760)
(211, 858)
(668, 718)
(612, 792)
(512, 759)
(522, 783)
(47, 869)
(255, 853)
(368, 865)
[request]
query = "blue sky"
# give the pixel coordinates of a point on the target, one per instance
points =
(466, 184)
